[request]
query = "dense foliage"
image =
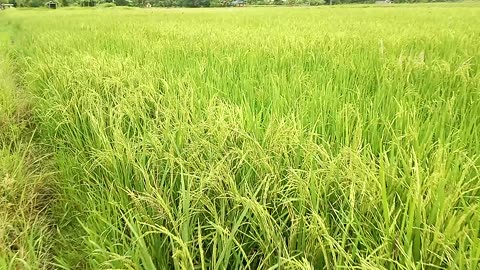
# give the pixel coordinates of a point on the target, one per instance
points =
(256, 138)
(199, 3)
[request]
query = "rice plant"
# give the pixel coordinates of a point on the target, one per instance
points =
(259, 138)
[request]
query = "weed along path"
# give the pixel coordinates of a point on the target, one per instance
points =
(26, 184)
(241, 138)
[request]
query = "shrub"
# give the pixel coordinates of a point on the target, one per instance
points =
(106, 5)
(317, 2)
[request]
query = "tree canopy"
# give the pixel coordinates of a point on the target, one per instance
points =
(195, 3)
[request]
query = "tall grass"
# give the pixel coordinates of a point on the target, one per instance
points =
(261, 138)
(25, 193)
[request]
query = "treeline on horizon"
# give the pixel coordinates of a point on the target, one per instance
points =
(197, 3)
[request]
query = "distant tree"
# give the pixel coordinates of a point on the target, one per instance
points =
(36, 3)
(217, 3)
(138, 3)
(194, 3)
(87, 3)
(21, 3)
(165, 3)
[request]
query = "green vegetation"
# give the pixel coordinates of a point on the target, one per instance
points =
(25, 182)
(205, 3)
(262, 138)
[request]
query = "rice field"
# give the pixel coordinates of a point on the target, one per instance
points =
(242, 138)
